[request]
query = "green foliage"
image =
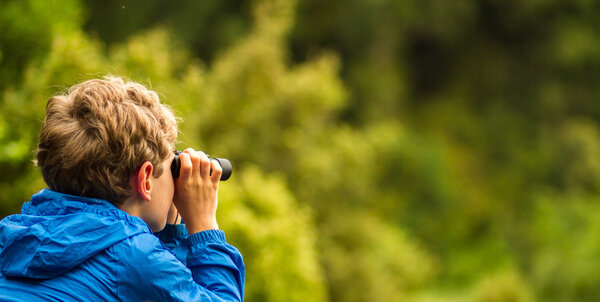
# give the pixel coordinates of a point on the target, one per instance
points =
(564, 261)
(277, 238)
(502, 287)
(23, 40)
(360, 249)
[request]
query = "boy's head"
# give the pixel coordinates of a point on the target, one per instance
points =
(95, 137)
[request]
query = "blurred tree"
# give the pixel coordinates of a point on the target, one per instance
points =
(207, 27)
(506, 286)
(277, 237)
(564, 260)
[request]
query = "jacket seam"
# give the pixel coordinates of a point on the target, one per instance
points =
(116, 267)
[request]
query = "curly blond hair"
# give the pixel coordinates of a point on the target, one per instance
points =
(99, 133)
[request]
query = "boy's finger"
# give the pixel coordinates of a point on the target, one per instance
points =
(217, 170)
(195, 157)
(204, 164)
(189, 151)
(185, 170)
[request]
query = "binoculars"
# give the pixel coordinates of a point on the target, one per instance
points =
(225, 165)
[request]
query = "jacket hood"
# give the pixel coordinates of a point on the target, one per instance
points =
(56, 232)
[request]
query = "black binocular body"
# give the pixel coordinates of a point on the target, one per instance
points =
(225, 165)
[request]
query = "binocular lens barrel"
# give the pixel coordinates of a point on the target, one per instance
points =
(225, 165)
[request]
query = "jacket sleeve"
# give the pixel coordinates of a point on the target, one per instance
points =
(146, 270)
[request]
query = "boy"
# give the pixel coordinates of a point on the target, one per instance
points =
(105, 150)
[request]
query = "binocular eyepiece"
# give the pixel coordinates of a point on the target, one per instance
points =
(225, 165)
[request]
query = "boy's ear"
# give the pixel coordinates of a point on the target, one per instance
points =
(143, 180)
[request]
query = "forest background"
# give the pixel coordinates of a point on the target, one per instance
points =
(384, 150)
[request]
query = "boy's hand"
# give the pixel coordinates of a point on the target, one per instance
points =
(196, 191)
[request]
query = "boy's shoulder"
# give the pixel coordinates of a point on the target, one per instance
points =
(142, 264)
(139, 245)
(141, 251)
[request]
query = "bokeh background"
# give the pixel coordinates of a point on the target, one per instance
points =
(384, 150)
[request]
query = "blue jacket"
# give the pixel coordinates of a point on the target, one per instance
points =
(64, 247)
